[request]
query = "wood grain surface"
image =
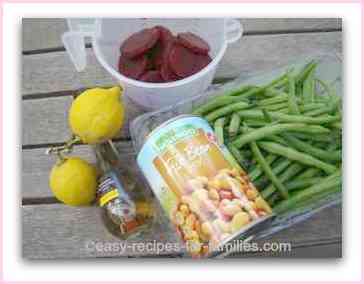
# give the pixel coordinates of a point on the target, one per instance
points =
(44, 33)
(53, 72)
(59, 231)
(49, 82)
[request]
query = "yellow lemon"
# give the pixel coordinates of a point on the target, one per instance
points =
(97, 115)
(74, 181)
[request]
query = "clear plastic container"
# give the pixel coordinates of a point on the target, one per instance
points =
(329, 69)
(108, 34)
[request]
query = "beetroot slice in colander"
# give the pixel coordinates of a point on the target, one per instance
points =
(193, 42)
(163, 46)
(184, 62)
(133, 68)
(152, 76)
(140, 42)
(167, 74)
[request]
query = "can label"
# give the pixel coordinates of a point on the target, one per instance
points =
(206, 197)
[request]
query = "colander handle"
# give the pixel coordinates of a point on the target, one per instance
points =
(74, 40)
(233, 30)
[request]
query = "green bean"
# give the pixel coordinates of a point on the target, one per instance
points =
(226, 110)
(279, 97)
(295, 155)
(239, 90)
(311, 106)
(326, 184)
(317, 137)
(276, 82)
(302, 183)
(292, 100)
(256, 114)
(237, 155)
(215, 103)
(257, 171)
(268, 171)
(309, 87)
(305, 71)
(314, 151)
(219, 130)
(308, 173)
(252, 92)
(327, 109)
(275, 107)
(291, 171)
(234, 125)
(277, 167)
(337, 125)
(265, 131)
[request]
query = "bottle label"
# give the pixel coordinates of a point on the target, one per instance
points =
(107, 190)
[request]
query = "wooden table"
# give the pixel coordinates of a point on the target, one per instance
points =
(49, 82)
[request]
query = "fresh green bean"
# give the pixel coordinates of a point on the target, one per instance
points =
(237, 155)
(252, 92)
(327, 109)
(278, 97)
(276, 82)
(277, 167)
(317, 137)
(256, 114)
(327, 183)
(302, 183)
(292, 100)
(265, 131)
(291, 171)
(267, 170)
(275, 107)
(295, 155)
(308, 173)
(305, 71)
(219, 130)
(257, 171)
(234, 125)
(309, 87)
(226, 110)
(314, 151)
(239, 90)
(215, 103)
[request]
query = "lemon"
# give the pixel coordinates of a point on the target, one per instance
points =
(74, 181)
(97, 115)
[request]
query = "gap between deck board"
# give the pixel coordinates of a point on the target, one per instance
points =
(248, 33)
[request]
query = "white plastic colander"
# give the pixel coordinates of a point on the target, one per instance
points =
(108, 34)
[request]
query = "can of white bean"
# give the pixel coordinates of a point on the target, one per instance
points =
(207, 195)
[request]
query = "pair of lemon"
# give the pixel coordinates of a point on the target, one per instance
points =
(95, 116)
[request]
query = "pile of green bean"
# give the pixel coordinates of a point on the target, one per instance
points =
(286, 134)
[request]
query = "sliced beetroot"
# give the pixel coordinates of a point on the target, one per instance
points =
(163, 47)
(184, 62)
(133, 68)
(140, 42)
(152, 76)
(193, 42)
(167, 74)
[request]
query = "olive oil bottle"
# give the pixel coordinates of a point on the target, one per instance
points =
(127, 210)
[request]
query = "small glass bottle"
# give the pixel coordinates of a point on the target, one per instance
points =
(123, 215)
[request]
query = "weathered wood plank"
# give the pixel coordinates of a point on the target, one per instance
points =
(46, 33)
(36, 166)
(45, 120)
(58, 231)
(259, 53)
(50, 72)
(40, 33)
(274, 25)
